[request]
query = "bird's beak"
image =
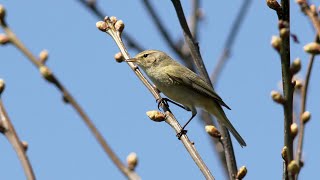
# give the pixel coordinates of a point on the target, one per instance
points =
(131, 60)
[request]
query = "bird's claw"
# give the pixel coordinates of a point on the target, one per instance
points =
(163, 101)
(182, 132)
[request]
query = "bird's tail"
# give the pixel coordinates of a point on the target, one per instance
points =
(219, 113)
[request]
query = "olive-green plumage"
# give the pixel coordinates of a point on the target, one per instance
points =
(183, 86)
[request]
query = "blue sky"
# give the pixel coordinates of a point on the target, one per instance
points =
(61, 147)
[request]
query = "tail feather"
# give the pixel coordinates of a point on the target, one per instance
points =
(219, 113)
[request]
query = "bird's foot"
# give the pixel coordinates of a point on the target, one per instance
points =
(163, 101)
(182, 132)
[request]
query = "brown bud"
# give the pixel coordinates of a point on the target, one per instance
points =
(284, 153)
(294, 129)
(118, 57)
(43, 56)
(156, 116)
(273, 4)
(2, 86)
(313, 9)
(295, 66)
(277, 97)
(2, 12)
(276, 43)
(25, 145)
(113, 19)
(241, 173)
(299, 84)
(119, 26)
(102, 26)
(213, 131)
(305, 116)
(300, 2)
(312, 48)
(46, 73)
(132, 161)
(293, 167)
(283, 24)
(284, 32)
(4, 39)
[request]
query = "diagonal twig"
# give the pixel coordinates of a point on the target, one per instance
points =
(114, 28)
(92, 6)
(51, 78)
(8, 130)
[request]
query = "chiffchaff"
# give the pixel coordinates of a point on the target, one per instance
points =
(183, 86)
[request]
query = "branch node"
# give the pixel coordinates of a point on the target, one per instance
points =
(156, 116)
(294, 129)
(213, 131)
(241, 173)
(132, 161)
(2, 86)
(305, 117)
(295, 66)
(277, 97)
(4, 39)
(284, 154)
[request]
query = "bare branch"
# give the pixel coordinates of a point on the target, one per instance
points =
(7, 128)
(230, 40)
(92, 6)
(303, 108)
(114, 29)
(51, 78)
(195, 53)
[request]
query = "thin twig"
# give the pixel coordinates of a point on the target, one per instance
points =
(163, 31)
(312, 15)
(304, 93)
(195, 53)
(8, 130)
(230, 40)
(50, 77)
(222, 61)
(195, 17)
(109, 27)
(92, 6)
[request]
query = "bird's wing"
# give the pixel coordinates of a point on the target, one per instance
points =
(199, 85)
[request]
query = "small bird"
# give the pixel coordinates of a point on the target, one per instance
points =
(183, 86)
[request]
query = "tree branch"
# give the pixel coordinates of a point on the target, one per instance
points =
(92, 6)
(7, 128)
(304, 92)
(51, 78)
(195, 53)
(114, 28)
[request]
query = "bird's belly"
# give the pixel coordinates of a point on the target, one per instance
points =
(182, 95)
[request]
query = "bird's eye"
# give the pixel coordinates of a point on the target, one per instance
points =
(145, 55)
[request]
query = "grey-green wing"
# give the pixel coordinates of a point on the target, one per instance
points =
(192, 80)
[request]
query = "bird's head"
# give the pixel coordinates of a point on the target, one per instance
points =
(150, 59)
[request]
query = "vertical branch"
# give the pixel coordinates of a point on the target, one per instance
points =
(195, 53)
(304, 115)
(287, 84)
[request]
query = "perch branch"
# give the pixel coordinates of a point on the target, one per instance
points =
(114, 28)
(51, 78)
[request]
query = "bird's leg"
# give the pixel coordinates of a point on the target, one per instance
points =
(183, 131)
(165, 102)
